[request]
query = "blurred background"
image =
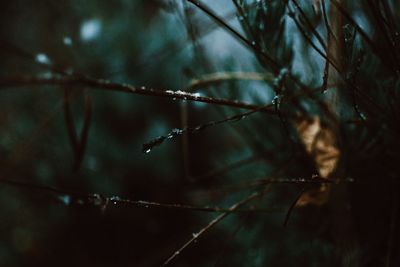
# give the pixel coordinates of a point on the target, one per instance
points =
(169, 45)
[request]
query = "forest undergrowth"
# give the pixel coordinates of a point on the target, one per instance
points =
(282, 155)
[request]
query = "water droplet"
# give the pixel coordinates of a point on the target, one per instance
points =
(195, 235)
(90, 29)
(276, 100)
(43, 58)
(115, 198)
(67, 41)
(97, 199)
(65, 199)
(146, 148)
(348, 33)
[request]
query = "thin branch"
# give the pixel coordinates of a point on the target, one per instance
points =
(102, 201)
(126, 88)
(147, 147)
(150, 204)
(274, 65)
(363, 34)
(329, 40)
(319, 51)
(213, 78)
(243, 19)
(232, 236)
(380, 21)
(310, 26)
(326, 21)
(78, 144)
(293, 205)
(84, 133)
(215, 222)
(69, 122)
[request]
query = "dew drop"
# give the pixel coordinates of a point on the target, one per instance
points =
(90, 29)
(65, 199)
(115, 198)
(67, 41)
(42, 58)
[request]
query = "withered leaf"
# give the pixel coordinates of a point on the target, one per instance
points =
(321, 145)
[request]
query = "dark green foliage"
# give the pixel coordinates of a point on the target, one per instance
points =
(224, 162)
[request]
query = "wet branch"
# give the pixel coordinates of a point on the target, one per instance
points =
(215, 222)
(99, 200)
(78, 80)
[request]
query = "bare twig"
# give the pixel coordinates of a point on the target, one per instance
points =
(293, 205)
(126, 88)
(220, 258)
(273, 63)
(363, 34)
(84, 133)
(147, 147)
(215, 222)
(213, 78)
(309, 24)
(102, 201)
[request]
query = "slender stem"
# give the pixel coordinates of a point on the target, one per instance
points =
(274, 65)
(310, 26)
(214, 222)
(126, 88)
(217, 77)
(101, 200)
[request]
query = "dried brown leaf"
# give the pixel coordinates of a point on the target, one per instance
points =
(321, 145)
